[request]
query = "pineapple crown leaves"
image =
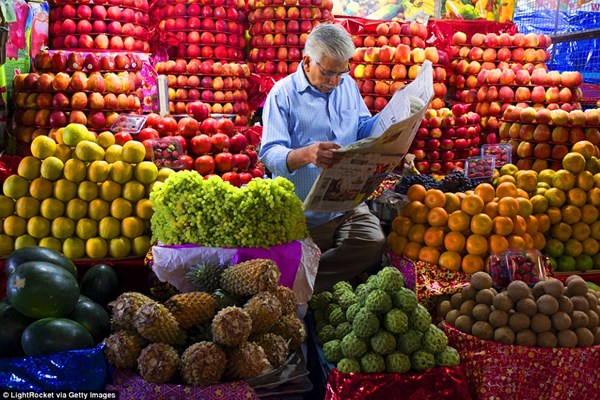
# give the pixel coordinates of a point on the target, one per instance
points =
(206, 277)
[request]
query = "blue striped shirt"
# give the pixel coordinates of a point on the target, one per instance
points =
(297, 115)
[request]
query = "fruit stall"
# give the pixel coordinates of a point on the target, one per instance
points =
(145, 251)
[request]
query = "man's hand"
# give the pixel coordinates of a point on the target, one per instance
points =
(321, 154)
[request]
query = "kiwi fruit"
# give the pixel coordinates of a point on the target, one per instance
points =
(481, 280)
(579, 319)
(538, 289)
(503, 302)
(547, 304)
(540, 323)
(565, 304)
(526, 338)
(554, 287)
(561, 321)
(519, 321)
(577, 287)
(567, 338)
(596, 332)
(485, 296)
(444, 307)
(469, 292)
(593, 319)
(518, 290)
(451, 316)
(580, 303)
(527, 306)
(498, 318)
(546, 339)
(466, 308)
(456, 300)
(585, 338)
(464, 323)
(572, 278)
(504, 335)
(592, 300)
(481, 312)
(482, 330)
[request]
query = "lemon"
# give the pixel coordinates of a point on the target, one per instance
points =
(75, 170)
(26, 207)
(15, 186)
(146, 172)
(134, 152)
(14, 226)
(98, 171)
(38, 227)
(164, 173)
(43, 147)
(121, 208)
(96, 247)
(52, 208)
(121, 172)
(119, 247)
(76, 209)
(50, 242)
(143, 209)
(40, 188)
(64, 190)
(132, 227)
(75, 133)
(133, 191)
(52, 168)
(73, 248)
(6, 245)
(62, 228)
(29, 167)
(25, 240)
(98, 209)
(106, 139)
(113, 153)
(7, 206)
(63, 152)
(87, 190)
(109, 190)
(89, 151)
(86, 228)
(140, 245)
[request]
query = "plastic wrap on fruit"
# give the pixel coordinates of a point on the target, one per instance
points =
(507, 10)
(419, 7)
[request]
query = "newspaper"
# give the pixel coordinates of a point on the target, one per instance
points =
(366, 163)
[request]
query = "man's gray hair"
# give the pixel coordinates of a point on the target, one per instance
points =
(329, 40)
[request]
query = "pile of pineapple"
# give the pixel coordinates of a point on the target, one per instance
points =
(242, 325)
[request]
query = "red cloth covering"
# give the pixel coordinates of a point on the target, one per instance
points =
(131, 386)
(446, 383)
(497, 371)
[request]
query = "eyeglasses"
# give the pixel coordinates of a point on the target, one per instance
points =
(330, 74)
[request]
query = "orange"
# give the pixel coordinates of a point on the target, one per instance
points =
(472, 263)
(459, 221)
(455, 241)
(452, 202)
(416, 233)
(554, 214)
(450, 260)
(506, 189)
(539, 241)
(497, 244)
(491, 209)
(401, 225)
(429, 254)
(437, 216)
(519, 225)
(481, 224)
(416, 192)
(516, 242)
(503, 226)
(506, 179)
(468, 192)
(508, 206)
(525, 207)
(434, 198)
(528, 241)
(472, 204)
(486, 192)
(543, 222)
(418, 212)
(477, 244)
(522, 194)
(532, 225)
(434, 236)
(460, 195)
(411, 250)
(396, 243)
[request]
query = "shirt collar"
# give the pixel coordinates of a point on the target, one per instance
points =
(302, 83)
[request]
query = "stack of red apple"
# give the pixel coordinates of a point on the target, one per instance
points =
(101, 25)
(211, 146)
(278, 30)
(445, 139)
(389, 55)
(208, 30)
(542, 136)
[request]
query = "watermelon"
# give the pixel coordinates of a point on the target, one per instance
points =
(93, 317)
(101, 284)
(38, 253)
(51, 335)
(40, 289)
(13, 324)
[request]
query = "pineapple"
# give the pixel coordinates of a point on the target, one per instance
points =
(224, 299)
(287, 298)
(158, 362)
(191, 308)
(154, 322)
(265, 309)
(124, 307)
(274, 346)
(291, 328)
(246, 361)
(123, 348)
(231, 326)
(250, 277)
(202, 364)
(206, 277)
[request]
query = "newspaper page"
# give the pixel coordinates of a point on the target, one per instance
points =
(366, 163)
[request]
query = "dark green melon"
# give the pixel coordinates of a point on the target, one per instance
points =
(51, 335)
(93, 317)
(13, 324)
(101, 284)
(40, 289)
(38, 253)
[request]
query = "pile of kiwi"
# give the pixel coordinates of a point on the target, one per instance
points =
(551, 314)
